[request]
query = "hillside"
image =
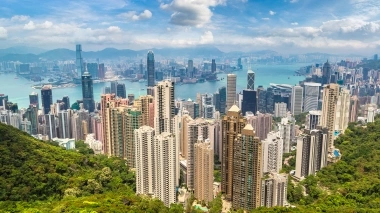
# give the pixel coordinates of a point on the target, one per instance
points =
(36, 176)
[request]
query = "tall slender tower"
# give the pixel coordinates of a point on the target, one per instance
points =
(342, 115)
(251, 80)
(231, 90)
(297, 100)
(311, 96)
(150, 68)
(213, 66)
(164, 108)
(232, 125)
(145, 160)
(190, 69)
(247, 165)
(132, 119)
(204, 170)
(46, 98)
(88, 92)
(79, 60)
(143, 104)
(326, 74)
(329, 102)
(166, 163)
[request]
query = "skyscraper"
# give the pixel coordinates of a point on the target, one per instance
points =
(32, 115)
(251, 80)
(51, 128)
(150, 68)
(311, 96)
(247, 166)
(46, 98)
(297, 100)
(249, 103)
(87, 92)
(312, 119)
(120, 91)
(329, 101)
(190, 69)
(354, 108)
(145, 160)
(79, 60)
(66, 101)
(326, 73)
(64, 124)
(101, 71)
(231, 91)
(213, 66)
(114, 87)
(33, 100)
(272, 153)
(221, 100)
(203, 170)
(164, 108)
(232, 125)
(93, 69)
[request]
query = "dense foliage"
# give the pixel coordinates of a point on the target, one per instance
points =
(37, 176)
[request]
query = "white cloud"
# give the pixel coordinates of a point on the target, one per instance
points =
(30, 26)
(132, 15)
(114, 29)
(19, 18)
(272, 13)
(265, 19)
(191, 12)
(207, 38)
(294, 23)
(293, 1)
(46, 25)
(3, 33)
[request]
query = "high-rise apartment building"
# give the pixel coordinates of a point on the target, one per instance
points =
(164, 108)
(145, 160)
(132, 120)
(287, 132)
(108, 103)
(208, 108)
(342, 115)
(64, 124)
(195, 129)
(231, 91)
(232, 125)
(220, 98)
(114, 87)
(272, 153)
(145, 105)
(311, 152)
(311, 96)
(329, 102)
(251, 80)
(33, 100)
(203, 170)
(261, 123)
(46, 98)
(80, 123)
(32, 115)
(274, 190)
(247, 166)
(50, 124)
(150, 68)
(88, 92)
(166, 163)
(79, 60)
(312, 119)
(297, 100)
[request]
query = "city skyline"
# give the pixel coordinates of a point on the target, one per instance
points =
(298, 25)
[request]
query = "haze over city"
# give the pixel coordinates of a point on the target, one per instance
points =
(286, 26)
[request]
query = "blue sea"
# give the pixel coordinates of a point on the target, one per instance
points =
(18, 90)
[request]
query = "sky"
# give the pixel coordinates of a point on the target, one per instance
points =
(286, 26)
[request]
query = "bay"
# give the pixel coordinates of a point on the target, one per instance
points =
(18, 89)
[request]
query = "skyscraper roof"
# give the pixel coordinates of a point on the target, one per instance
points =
(234, 108)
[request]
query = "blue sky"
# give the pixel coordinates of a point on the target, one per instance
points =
(287, 26)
